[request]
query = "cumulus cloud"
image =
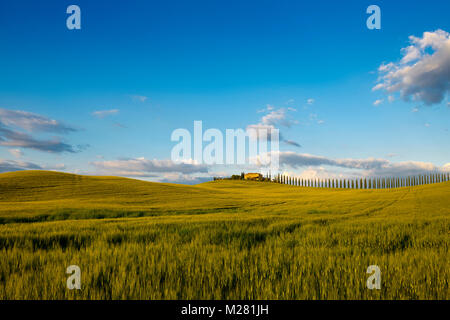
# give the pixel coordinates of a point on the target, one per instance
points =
(141, 167)
(378, 102)
(278, 117)
(314, 173)
(272, 120)
(104, 113)
(310, 101)
(423, 73)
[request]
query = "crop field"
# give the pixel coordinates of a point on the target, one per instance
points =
(219, 240)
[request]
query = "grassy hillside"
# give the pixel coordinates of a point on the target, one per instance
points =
(223, 239)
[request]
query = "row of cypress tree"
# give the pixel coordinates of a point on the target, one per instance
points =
(363, 183)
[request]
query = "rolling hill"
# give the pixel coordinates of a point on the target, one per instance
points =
(219, 240)
(46, 195)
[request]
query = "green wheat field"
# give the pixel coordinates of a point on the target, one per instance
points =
(219, 240)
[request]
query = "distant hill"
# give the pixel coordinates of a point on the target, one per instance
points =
(47, 195)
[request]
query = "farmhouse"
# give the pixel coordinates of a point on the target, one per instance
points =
(253, 176)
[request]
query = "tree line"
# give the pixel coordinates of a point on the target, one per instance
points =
(362, 183)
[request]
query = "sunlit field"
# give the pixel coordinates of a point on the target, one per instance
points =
(219, 240)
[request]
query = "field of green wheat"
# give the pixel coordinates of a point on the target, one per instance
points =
(219, 240)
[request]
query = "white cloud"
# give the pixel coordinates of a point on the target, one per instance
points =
(104, 113)
(313, 173)
(391, 99)
(423, 72)
(278, 118)
(141, 167)
(378, 102)
(310, 101)
(273, 119)
(415, 109)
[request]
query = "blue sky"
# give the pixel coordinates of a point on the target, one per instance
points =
(157, 66)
